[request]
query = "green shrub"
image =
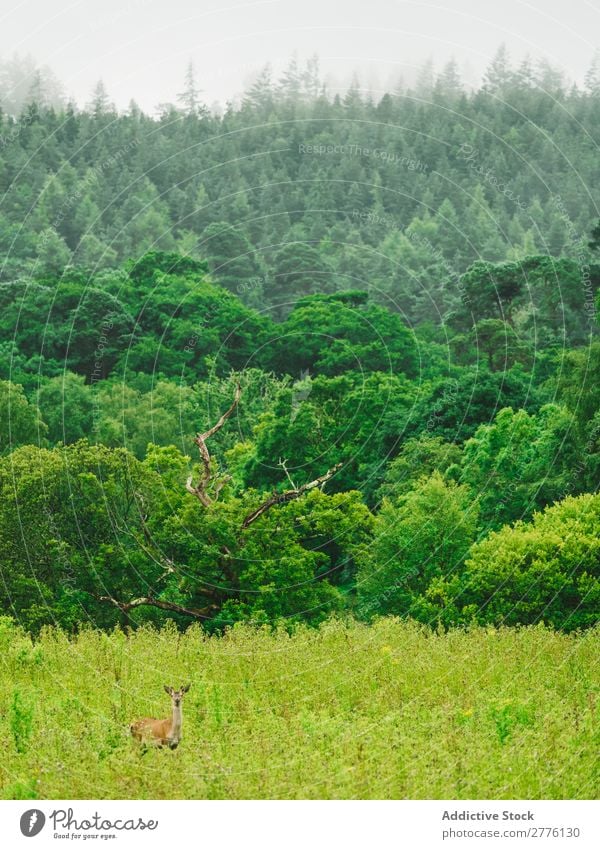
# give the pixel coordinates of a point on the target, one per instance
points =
(547, 570)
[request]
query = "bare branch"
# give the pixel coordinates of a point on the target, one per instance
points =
(223, 481)
(283, 464)
(149, 601)
(200, 490)
(287, 495)
(225, 416)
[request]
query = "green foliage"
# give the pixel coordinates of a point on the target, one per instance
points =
(420, 541)
(127, 417)
(337, 333)
(577, 384)
(142, 270)
(82, 327)
(290, 565)
(508, 718)
(20, 422)
(298, 269)
(66, 405)
(71, 529)
(101, 524)
(541, 297)
(419, 457)
(113, 520)
(433, 341)
(182, 320)
(316, 424)
(496, 343)
(453, 407)
(383, 220)
(543, 571)
(230, 257)
(521, 463)
(53, 253)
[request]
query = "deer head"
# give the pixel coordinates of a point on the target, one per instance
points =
(177, 695)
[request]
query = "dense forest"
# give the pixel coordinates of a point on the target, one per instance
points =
(394, 194)
(310, 355)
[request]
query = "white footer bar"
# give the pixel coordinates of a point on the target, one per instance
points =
(302, 824)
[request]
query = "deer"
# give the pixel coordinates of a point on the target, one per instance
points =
(162, 732)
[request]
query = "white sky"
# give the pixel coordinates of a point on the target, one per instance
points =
(140, 47)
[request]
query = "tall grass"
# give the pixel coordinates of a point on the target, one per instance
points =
(346, 711)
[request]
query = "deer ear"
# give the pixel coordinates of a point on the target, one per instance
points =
(186, 688)
(168, 690)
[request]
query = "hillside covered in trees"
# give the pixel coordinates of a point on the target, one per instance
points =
(396, 194)
(316, 354)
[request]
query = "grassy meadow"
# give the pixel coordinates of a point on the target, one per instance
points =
(346, 711)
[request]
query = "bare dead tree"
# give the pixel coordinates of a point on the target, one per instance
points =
(200, 490)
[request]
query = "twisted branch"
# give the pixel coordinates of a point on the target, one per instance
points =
(200, 490)
(287, 495)
(150, 601)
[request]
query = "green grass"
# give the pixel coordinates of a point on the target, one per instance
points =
(347, 711)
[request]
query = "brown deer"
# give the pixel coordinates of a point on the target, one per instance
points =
(162, 732)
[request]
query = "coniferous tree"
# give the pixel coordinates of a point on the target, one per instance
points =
(449, 84)
(261, 93)
(425, 80)
(100, 103)
(290, 83)
(189, 98)
(231, 257)
(592, 76)
(499, 75)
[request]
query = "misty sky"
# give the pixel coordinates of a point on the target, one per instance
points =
(140, 47)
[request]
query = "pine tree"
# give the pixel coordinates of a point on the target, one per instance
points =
(449, 83)
(592, 77)
(549, 78)
(299, 269)
(189, 98)
(498, 76)
(425, 80)
(525, 75)
(290, 82)
(352, 99)
(100, 103)
(53, 253)
(310, 78)
(92, 254)
(449, 224)
(37, 92)
(260, 94)
(70, 125)
(134, 110)
(231, 258)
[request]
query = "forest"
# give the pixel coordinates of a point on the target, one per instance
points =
(308, 355)
(300, 405)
